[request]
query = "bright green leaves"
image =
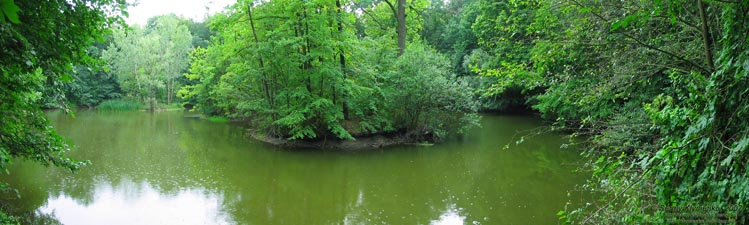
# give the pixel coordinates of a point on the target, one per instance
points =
(277, 64)
(427, 98)
(511, 75)
(636, 19)
(9, 9)
(514, 51)
(296, 70)
(304, 123)
(36, 55)
(149, 61)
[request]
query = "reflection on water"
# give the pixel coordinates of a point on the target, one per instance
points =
(138, 203)
(451, 216)
(164, 168)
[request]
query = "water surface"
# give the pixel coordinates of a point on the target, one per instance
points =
(164, 168)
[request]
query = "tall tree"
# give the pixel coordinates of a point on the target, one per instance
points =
(176, 42)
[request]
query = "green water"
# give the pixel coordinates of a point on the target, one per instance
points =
(164, 168)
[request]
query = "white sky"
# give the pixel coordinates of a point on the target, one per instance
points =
(195, 9)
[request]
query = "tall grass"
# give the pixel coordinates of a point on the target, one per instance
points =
(120, 105)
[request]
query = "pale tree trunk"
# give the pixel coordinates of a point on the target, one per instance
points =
(140, 90)
(169, 90)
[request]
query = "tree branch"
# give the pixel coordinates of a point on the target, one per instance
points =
(395, 12)
(646, 45)
(382, 26)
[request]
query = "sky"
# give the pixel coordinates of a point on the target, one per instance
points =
(194, 9)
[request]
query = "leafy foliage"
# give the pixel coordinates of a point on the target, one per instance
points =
(426, 98)
(8, 220)
(120, 105)
(297, 70)
(90, 84)
(40, 41)
(149, 62)
(35, 59)
(639, 79)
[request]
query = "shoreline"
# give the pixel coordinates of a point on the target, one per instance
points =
(360, 144)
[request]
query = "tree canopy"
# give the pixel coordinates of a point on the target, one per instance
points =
(41, 41)
(150, 61)
(298, 70)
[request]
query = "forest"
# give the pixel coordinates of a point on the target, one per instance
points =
(655, 92)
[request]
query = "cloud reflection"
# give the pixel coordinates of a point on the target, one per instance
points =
(451, 216)
(146, 206)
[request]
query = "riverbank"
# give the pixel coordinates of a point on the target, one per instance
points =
(361, 143)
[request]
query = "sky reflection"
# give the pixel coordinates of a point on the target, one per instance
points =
(138, 203)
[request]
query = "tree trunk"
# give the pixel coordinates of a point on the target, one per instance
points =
(401, 29)
(307, 49)
(169, 86)
(342, 61)
(260, 59)
(705, 30)
(140, 90)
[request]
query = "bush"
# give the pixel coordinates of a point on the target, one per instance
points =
(426, 99)
(5, 219)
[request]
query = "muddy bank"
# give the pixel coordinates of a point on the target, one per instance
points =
(361, 143)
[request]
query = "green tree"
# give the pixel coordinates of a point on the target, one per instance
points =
(40, 41)
(91, 85)
(201, 34)
(381, 17)
(149, 62)
(297, 70)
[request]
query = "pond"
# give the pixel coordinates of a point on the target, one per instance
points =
(169, 168)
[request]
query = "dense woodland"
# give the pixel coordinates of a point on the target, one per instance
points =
(654, 91)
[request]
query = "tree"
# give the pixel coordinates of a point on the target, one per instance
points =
(176, 42)
(297, 70)
(396, 17)
(201, 34)
(40, 41)
(149, 61)
(91, 85)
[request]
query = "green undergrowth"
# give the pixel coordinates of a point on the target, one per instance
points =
(120, 105)
(6, 219)
(219, 119)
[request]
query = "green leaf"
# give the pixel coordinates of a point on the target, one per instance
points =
(623, 23)
(66, 78)
(585, 10)
(9, 9)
